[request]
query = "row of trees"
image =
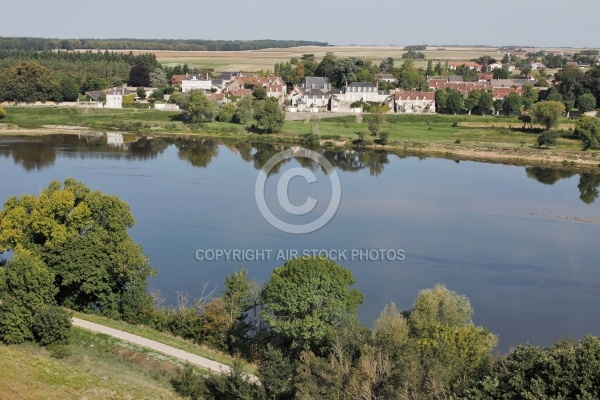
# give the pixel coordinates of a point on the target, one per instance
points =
(266, 111)
(27, 76)
(41, 44)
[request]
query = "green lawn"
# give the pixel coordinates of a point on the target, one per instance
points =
(165, 338)
(97, 367)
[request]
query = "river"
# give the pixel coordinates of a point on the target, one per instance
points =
(520, 242)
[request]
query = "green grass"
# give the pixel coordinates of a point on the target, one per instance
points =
(165, 338)
(98, 367)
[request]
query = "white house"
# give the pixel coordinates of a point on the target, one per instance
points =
(114, 99)
(196, 82)
(361, 91)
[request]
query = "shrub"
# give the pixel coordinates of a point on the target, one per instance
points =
(547, 139)
(51, 326)
(2, 113)
(384, 138)
(59, 351)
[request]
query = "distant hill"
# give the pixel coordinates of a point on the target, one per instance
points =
(40, 44)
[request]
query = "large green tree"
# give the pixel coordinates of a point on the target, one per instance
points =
(306, 299)
(588, 130)
(196, 106)
(586, 102)
(454, 101)
(82, 237)
(547, 113)
(513, 103)
(270, 116)
(26, 288)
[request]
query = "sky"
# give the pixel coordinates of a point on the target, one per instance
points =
(535, 23)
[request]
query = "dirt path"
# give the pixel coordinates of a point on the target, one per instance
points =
(162, 348)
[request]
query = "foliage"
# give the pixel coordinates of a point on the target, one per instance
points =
(513, 103)
(567, 370)
(313, 295)
(41, 44)
(259, 93)
(158, 78)
(227, 112)
(141, 93)
(588, 130)
(570, 82)
(376, 120)
(547, 113)
(188, 383)
(26, 287)
(29, 82)
(51, 326)
(233, 385)
(197, 107)
(586, 102)
(271, 116)
(81, 235)
(243, 111)
(2, 113)
(454, 101)
(529, 96)
(547, 139)
(276, 373)
(139, 75)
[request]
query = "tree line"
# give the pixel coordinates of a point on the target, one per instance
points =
(41, 44)
(29, 76)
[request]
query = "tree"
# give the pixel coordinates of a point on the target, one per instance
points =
(486, 102)
(588, 130)
(547, 113)
(429, 71)
(376, 120)
(455, 101)
(26, 287)
(326, 66)
(271, 116)
(197, 107)
(547, 139)
(81, 236)
(227, 112)
(141, 93)
(28, 82)
(501, 73)
(139, 76)
(498, 105)
(569, 106)
(472, 100)
(586, 102)
(243, 111)
(529, 96)
(69, 89)
(570, 82)
(387, 65)
(306, 299)
(158, 78)
(259, 93)
(513, 103)
(51, 325)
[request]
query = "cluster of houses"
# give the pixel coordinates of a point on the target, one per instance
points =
(316, 93)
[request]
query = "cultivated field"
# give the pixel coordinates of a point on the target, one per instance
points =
(252, 61)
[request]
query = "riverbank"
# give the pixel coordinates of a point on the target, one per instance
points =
(487, 139)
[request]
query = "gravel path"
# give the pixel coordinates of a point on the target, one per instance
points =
(162, 348)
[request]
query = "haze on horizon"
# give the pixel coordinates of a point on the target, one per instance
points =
(531, 23)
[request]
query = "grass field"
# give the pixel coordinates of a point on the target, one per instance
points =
(165, 338)
(98, 367)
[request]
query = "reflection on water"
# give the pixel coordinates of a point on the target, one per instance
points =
(36, 153)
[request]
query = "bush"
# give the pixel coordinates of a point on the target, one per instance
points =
(547, 139)
(51, 326)
(384, 138)
(59, 351)
(2, 113)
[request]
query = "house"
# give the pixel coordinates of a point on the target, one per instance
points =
(491, 67)
(389, 78)
(219, 98)
(114, 99)
(455, 78)
(196, 82)
(274, 85)
(315, 82)
(537, 65)
(469, 64)
(314, 98)
(413, 101)
(361, 91)
(177, 79)
(502, 92)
